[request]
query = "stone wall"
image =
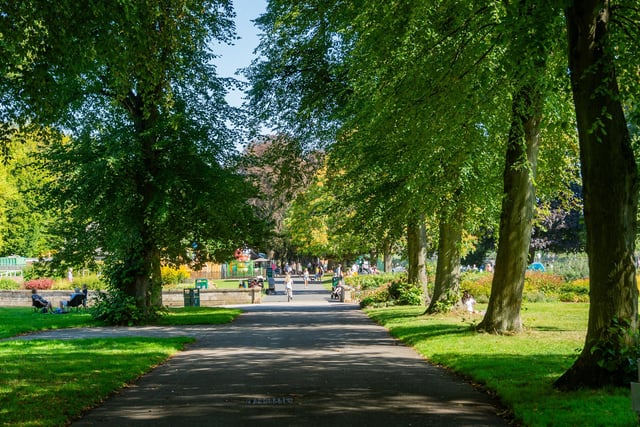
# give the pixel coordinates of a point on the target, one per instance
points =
(214, 297)
(22, 298)
(208, 297)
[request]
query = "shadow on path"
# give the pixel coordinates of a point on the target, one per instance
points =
(305, 363)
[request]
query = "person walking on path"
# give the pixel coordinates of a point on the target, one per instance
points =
(304, 364)
(305, 277)
(288, 287)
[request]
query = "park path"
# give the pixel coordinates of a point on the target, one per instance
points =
(311, 362)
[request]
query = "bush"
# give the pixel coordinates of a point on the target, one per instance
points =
(9, 285)
(372, 281)
(174, 276)
(40, 284)
(38, 270)
(538, 287)
(571, 266)
(576, 291)
(93, 281)
(405, 293)
(478, 284)
(117, 308)
(396, 292)
(378, 298)
(61, 284)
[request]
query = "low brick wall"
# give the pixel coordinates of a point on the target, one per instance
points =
(23, 298)
(208, 297)
(215, 297)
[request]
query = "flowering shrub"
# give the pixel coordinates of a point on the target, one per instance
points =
(173, 276)
(538, 287)
(41, 284)
(478, 284)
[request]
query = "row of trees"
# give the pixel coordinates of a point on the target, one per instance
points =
(449, 115)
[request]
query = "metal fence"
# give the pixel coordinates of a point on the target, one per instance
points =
(232, 270)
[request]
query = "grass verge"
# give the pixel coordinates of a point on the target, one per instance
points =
(519, 368)
(199, 316)
(49, 383)
(22, 320)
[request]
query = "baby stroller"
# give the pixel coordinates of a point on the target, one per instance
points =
(337, 289)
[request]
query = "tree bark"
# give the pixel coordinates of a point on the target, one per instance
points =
(447, 283)
(147, 276)
(388, 264)
(610, 185)
(503, 311)
(417, 254)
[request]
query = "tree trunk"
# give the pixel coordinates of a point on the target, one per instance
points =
(388, 264)
(503, 311)
(447, 284)
(417, 254)
(610, 185)
(156, 279)
(147, 277)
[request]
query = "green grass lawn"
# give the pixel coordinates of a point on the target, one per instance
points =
(520, 368)
(21, 320)
(51, 382)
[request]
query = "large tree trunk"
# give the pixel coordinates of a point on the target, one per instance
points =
(417, 254)
(503, 311)
(447, 284)
(610, 185)
(148, 280)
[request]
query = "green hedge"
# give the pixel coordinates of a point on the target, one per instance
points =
(381, 290)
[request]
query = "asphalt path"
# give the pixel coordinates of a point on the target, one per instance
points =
(309, 362)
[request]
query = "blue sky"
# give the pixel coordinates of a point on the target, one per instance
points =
(241, 53)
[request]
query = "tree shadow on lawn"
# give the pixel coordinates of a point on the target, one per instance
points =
(524, 382)
(412, 335)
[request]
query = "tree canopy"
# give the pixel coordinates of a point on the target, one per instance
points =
(423, 98)
(147, 172)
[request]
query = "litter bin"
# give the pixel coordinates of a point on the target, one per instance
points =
(192, 297)
(202, 283)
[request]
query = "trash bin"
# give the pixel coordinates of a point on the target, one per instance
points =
(342, 294)
(192, 297)
(202, 283)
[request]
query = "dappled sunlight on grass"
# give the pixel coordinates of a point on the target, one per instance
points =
(521, 368)
(21, 320)
(49, 382)
(71, 376)
(199, 315)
